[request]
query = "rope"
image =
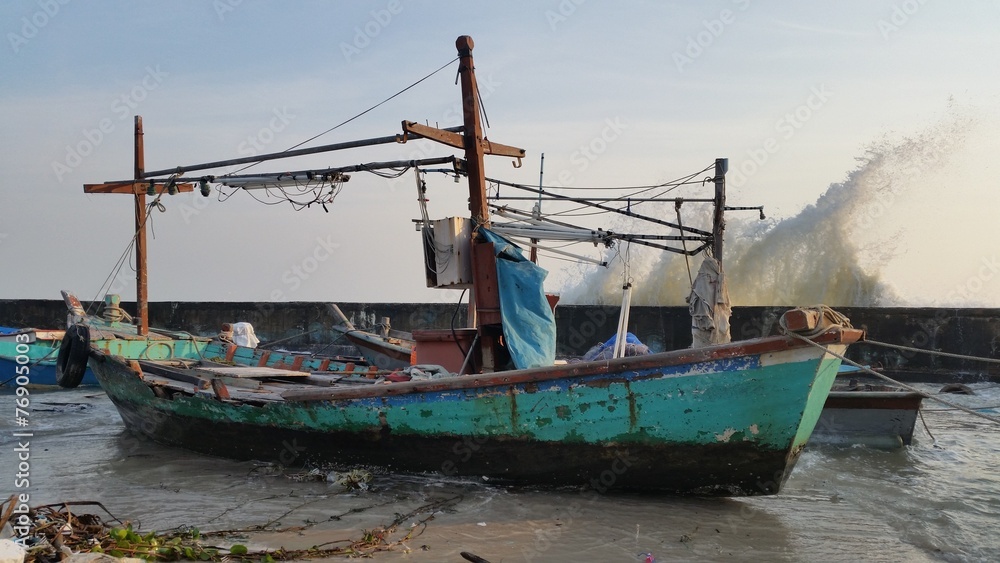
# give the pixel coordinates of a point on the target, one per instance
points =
(893, 381)
(932, 352)
(832, 318)
(920, 413)
(982, 408)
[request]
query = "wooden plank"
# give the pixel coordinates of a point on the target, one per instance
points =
(323, 379)
(252, 372)
(177, 374)
(250, 396)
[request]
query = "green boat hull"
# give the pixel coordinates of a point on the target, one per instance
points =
(727, 420)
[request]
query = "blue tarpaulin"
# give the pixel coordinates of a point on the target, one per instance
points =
(529, 327)
(605, 350)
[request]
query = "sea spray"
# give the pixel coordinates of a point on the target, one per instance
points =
(835, 251)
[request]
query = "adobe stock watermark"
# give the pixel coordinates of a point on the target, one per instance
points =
(700, 42)
(975, 283)
(566, 515)
(564, 10)
(786, 127)
(885, 199)
(371, 29)
(300, 272)
(899, 17)
(32, 25)
(254, 144)
(123, 106)
(224, 7)
(587, 153)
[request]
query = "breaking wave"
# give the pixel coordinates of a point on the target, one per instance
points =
(835, 251)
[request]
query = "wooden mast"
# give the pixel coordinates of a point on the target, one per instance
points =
(485, 292)
(473, 134)
(719, 220)
(141, 277)
(138, 188)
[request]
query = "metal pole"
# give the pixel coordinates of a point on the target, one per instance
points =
(291, 153)
(538, 209)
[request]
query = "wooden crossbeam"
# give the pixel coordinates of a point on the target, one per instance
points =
(138, 187)
(457, 140)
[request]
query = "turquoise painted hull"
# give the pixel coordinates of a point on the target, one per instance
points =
(41, 356)
(726, 420)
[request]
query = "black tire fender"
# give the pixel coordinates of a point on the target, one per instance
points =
(71, 363)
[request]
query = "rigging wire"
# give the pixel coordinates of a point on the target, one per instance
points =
(346, 121)
(129, 249)
(573, 212)
(482, 106)
(622, 210)
(684, 180)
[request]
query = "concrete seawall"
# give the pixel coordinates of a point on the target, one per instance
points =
(973, 332)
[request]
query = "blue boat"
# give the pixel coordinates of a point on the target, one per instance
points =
(32, 353)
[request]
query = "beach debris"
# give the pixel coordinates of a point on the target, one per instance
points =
(472, 557)
(56, 534)
(353, 479)
(11, 552)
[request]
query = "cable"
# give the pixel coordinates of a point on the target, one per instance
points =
(642, 189)
(345, 122)
(454, 315)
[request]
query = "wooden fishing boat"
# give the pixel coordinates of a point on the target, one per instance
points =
(387, 348)
(33, 353)
(725, 419)
(867, 413)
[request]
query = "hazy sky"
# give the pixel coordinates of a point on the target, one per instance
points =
(623, 93)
